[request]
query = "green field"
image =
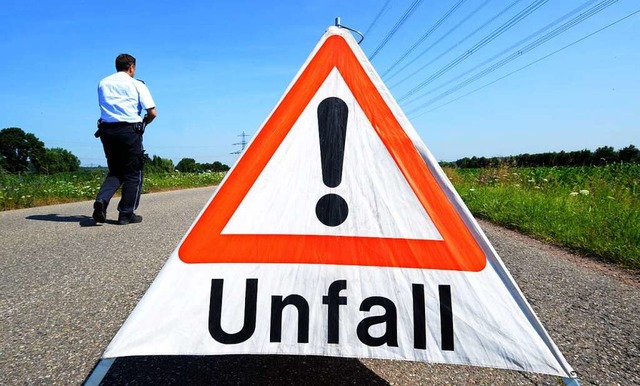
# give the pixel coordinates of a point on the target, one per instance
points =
(28, 190)
(592, 210)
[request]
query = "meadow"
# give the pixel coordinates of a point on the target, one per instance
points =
(29, 190)
(590, 210)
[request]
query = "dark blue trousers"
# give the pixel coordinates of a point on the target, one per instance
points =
(125, 156)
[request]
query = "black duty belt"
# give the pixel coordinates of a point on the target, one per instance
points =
(138, 127)
(115, 125)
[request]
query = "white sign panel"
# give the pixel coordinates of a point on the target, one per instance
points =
(338, 234)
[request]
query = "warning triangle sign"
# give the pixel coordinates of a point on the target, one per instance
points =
(333, 123)
(337, 233)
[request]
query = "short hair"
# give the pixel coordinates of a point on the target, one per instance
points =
(124, 62)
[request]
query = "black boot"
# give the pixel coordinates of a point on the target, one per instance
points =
(100, 211)
(124, 219)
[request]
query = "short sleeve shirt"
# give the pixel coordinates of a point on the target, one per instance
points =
(123, 99)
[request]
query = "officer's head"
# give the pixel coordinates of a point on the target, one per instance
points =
(126, 62)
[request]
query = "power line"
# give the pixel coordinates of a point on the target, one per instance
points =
(426, 35)
(533, 35)
(446, 34)
(563, 28)
(535, 5)
(396, 27)
(486, 40)
(531, 63)
(375, 19)
(492, 19)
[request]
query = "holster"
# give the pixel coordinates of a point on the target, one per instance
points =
(139, 127)
(98, 133)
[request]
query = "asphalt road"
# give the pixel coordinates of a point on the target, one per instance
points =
(67, 286)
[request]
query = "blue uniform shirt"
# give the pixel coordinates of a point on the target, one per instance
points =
(123, 99)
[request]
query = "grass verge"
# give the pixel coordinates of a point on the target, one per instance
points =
(25, 191)
(592, 210)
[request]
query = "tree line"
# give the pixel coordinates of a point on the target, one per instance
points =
(158, 164)
(22, 152)
(601, 156)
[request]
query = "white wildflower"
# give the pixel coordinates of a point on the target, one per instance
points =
(573, 194)
(584, 192)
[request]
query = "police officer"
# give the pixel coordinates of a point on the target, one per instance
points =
(122, 99)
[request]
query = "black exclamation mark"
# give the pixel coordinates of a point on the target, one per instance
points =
(332, 209)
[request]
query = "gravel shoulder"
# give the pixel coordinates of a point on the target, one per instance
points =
(67, 286)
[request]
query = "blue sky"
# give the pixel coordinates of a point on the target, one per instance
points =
(216, 69)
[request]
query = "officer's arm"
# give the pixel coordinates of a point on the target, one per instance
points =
(151, 115)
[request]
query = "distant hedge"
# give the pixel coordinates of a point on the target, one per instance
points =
(601, 156)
